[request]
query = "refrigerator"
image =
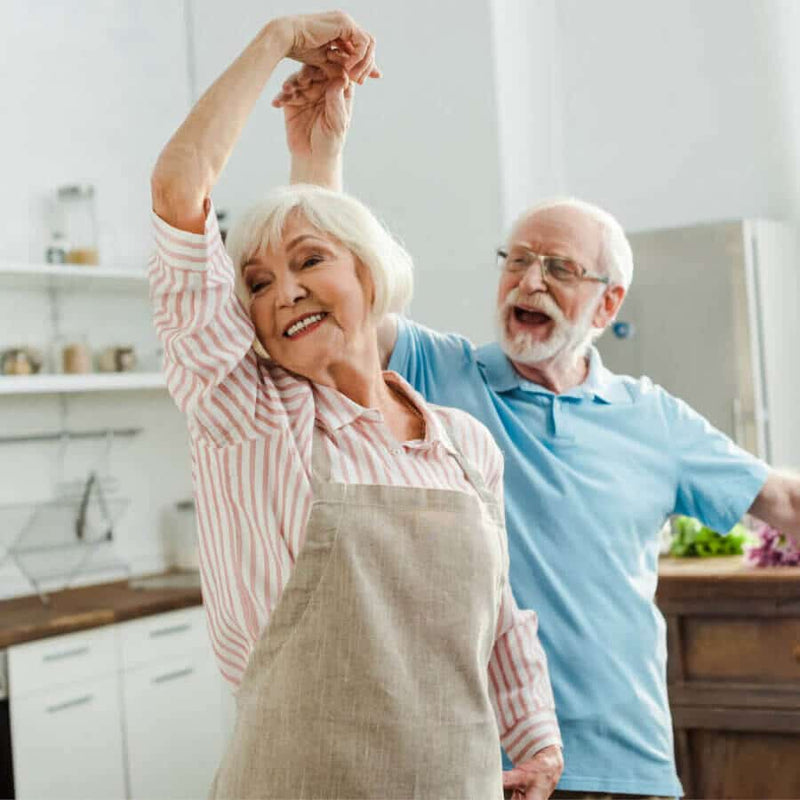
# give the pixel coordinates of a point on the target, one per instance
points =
(713, 315)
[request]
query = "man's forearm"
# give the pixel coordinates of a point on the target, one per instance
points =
(320, 172)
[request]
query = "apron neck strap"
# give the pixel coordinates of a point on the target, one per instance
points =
(321, 464)
(471, 472)
(320, 460)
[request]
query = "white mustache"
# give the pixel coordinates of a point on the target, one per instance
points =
(535, 302)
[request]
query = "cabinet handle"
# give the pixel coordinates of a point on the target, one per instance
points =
(170, 630)
(171, 676)
(78, 701)
(76, 651)
(796, 653)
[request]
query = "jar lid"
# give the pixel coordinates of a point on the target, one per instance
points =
(76, 190)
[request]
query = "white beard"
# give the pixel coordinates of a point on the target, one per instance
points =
(566, 338)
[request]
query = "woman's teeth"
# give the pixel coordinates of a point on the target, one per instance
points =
(293, 330)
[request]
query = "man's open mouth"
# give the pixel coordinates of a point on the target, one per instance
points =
(305, 324)
(528, 316)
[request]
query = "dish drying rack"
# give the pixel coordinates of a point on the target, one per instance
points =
(71, 534)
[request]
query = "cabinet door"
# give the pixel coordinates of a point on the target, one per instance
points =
(67, 742)
(176, 727)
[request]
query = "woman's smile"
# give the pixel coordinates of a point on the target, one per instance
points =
(305, 324)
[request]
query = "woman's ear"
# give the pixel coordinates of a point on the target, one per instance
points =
(259, 349)
(364, 276)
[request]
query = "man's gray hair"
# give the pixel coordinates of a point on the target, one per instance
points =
(346, 219)
(616, 256)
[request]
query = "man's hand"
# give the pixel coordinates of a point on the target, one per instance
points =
(332, 38)
(778, 504)
(535, 779)
(317, 106)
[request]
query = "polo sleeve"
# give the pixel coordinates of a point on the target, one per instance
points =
(717, 481)
(426, 358)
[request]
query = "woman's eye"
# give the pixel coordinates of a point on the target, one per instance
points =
(310, 262)
(258, 286)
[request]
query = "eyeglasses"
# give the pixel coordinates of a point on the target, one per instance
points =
(560, 269)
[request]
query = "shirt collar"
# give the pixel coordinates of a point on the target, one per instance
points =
(600, 384)
(334, 410)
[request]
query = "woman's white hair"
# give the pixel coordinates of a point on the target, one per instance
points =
(616, 256)
(346, 219)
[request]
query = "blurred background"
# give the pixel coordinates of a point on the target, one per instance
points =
(681, 117)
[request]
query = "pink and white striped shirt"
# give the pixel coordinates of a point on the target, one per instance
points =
(251, 426)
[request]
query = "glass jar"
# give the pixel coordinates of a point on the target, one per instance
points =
(56, 252)
(78, 221)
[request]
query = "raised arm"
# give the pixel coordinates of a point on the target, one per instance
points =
(317, 118)
(192, 160)
(206, 332)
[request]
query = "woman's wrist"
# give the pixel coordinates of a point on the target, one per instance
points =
(278, 34)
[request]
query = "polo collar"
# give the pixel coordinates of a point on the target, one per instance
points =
(600, 384)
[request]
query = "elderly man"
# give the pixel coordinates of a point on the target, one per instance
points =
(595, 464)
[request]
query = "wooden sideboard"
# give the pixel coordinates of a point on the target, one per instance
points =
(734, 676)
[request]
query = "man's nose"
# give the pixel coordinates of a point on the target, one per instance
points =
(533, 278)
(289, 289)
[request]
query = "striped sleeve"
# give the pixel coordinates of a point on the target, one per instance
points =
(211, 369)
(519, 683)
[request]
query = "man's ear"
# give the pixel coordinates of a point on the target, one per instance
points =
(609, 306)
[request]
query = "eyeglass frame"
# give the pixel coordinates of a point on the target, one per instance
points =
(544, 260)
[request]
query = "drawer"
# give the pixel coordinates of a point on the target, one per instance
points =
(61, 660)
(67, 742)
(755, 650)
(175, 633)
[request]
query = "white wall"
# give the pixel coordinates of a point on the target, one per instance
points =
(665, 112)
(423, 149)
(91, 90)
(529, 108)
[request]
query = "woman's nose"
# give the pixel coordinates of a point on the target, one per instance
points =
(289, 290)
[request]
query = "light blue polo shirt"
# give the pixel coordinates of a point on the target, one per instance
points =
(590, 478)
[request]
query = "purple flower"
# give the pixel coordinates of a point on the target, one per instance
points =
(772, 549)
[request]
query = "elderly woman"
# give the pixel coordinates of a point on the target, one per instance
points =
(352, 545)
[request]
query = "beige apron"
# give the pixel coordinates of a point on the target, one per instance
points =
(371, 678)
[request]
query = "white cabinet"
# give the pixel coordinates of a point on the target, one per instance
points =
(67, 742)
(136, 710)
(174, 724)
(61, 660)
(173, 703)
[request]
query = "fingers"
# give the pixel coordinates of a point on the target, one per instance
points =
(354, 50)
(360, 71)
(349, 94)
(338, 104)
(522, 785)
(304, 86)
(308, 85)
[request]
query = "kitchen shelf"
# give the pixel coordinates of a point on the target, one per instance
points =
(71, 384)
(64, 276)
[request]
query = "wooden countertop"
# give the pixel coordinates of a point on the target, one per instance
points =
(729, 575)
(23, 619)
